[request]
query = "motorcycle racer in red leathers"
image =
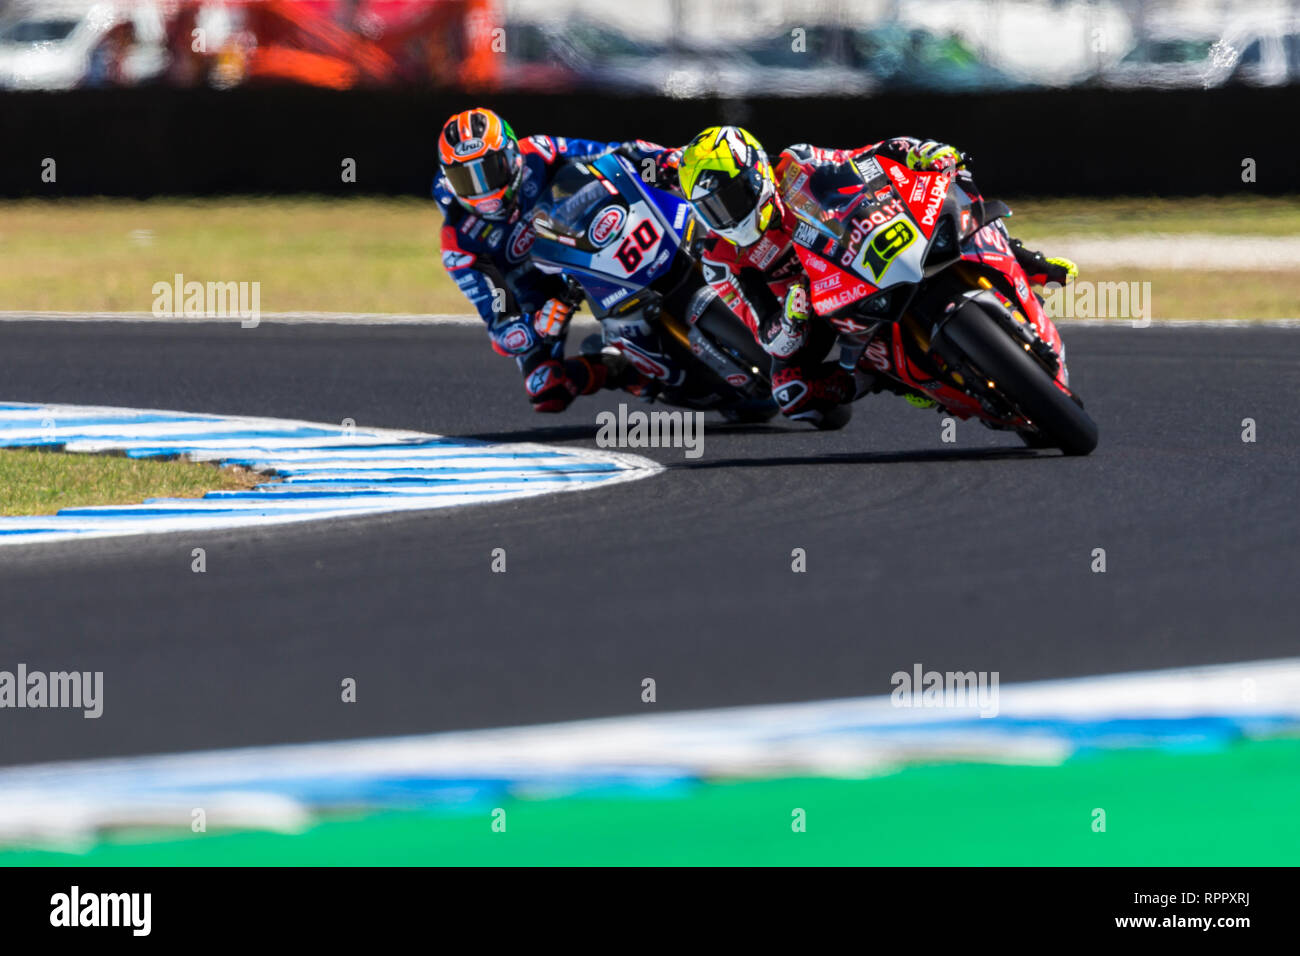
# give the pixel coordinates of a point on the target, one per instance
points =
(750, 259)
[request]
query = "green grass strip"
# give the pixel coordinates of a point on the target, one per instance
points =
(368, 254)
(1235, 806)
(37, 482)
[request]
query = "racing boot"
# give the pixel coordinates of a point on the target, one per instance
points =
(819, 395)
(548, 385)
(615, 372)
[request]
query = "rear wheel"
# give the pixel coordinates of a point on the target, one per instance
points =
(750, 414)
(833, 418)
(1059, 420)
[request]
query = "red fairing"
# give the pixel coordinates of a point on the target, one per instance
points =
(991, 249)
(833, 288)
(834, 284)
(923, 192)
(932, 190)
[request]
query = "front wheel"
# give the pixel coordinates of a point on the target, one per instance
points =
(1058, 420)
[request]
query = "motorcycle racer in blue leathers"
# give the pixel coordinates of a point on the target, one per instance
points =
(487, 184)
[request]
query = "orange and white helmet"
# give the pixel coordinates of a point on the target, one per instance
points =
(481, 160)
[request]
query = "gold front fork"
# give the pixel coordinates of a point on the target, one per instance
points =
(674, 327)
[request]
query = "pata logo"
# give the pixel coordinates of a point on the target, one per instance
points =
(606, 225)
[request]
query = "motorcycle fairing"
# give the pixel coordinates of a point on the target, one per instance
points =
(648, 231)
(640, 343)
(990, 248)
(858, 238)
(868, 233)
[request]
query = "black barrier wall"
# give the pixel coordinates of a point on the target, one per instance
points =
(154, 141)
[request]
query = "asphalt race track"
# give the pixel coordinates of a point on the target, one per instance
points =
(974, 555)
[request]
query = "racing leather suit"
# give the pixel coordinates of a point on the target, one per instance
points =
(525, 310)
(766, 286)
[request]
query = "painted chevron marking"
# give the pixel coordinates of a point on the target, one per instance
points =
(324, 470)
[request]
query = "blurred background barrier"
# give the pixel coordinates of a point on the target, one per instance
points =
(680, 48)
(1062, 97)
(290, 139)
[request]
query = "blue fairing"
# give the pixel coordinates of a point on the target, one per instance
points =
(676, 211)
(604, 282)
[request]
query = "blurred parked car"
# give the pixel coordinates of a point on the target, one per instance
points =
(1162, 61)
(1260, 53)
(853, 60)
(910, 58)
(818, 61)
(578, 54)
(581, 54)
(54, 45)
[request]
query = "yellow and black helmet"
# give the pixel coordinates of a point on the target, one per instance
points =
(725, 176)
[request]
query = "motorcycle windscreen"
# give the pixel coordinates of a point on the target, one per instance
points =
(569, 205)
(624, 246)
(825, 199)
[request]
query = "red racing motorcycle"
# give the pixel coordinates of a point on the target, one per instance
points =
(917, 274)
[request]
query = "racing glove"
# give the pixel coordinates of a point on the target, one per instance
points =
(933, 155)
(787, 335)
(1062, 270)
(655, 164)
(796, 303)
(552, 319)
(1042, 270)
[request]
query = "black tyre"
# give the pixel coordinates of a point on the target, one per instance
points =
(834, 417)
(726, 329)
(1060, 421)
(1035, 440)
(749, 414)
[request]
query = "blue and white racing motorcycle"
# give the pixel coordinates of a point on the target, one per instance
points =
(624, 244)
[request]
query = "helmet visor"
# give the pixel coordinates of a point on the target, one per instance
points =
(483, 176)
(731, 202)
